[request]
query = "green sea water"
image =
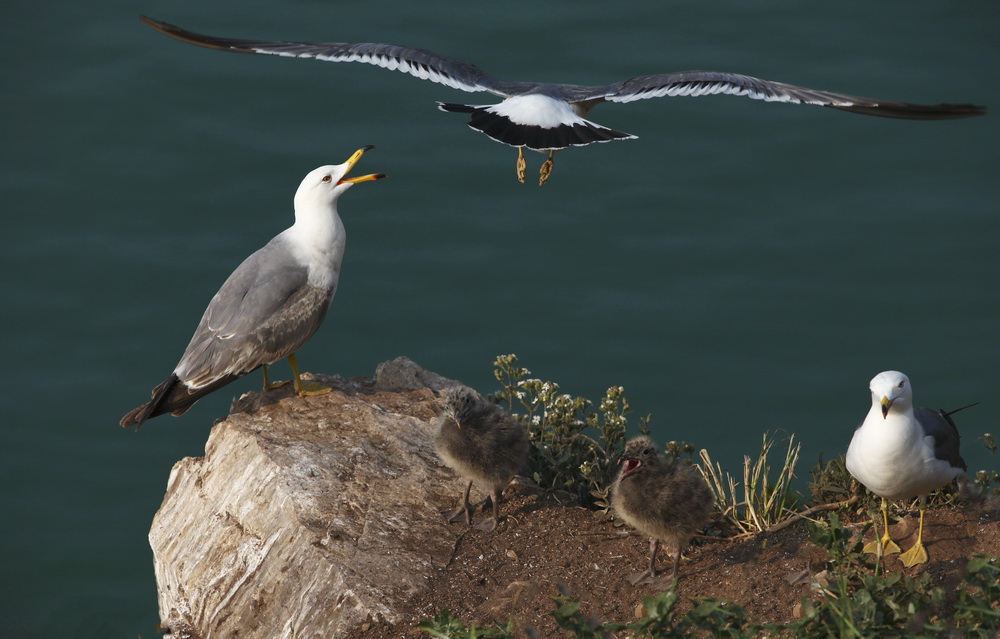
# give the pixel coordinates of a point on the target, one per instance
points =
(741, 267)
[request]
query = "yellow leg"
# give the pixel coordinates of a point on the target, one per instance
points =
(546, 170)
(885, 545)
(917, 554)
(305, 389)
(522, 165)
(268, 385)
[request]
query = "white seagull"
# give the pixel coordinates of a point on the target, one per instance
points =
(270, 306)
(902, 453)
(548, 117)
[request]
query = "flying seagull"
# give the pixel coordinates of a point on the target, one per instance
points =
(549, 117)
(663, 500)
(901, 453)
(272, 303)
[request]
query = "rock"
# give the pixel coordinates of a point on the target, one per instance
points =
(307, 516)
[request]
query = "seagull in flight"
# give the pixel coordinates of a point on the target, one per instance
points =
(548, 117)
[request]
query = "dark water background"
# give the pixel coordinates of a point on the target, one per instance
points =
(741, 267)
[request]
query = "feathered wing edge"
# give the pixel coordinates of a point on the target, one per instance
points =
(419, 63)
(699, 83)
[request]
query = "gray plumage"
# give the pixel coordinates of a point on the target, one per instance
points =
(546, 116)
(482, 443)
(271, 304)
(664, 500)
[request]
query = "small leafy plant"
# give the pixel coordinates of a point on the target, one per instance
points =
(575, 448)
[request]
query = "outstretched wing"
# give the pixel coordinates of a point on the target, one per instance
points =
(419, 63)
(698, 83)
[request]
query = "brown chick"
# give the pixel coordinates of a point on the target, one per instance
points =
(664, 500)
(481, 442)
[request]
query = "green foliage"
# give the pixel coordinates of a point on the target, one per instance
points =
(977, 610)
(830, 482)
(575, 448)
(989, 443)
(444, 626)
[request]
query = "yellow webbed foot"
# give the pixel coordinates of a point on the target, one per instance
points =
(311, 389)
(880, 547)
(914, 556)
(522, 166)
(543, 175)
(545, 171)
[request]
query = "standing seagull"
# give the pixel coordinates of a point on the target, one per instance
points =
(902, 453)
(272, 303)
(549, 117)
(483, 443)
(663, 500)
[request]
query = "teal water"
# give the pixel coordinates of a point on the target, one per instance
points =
(741, 267)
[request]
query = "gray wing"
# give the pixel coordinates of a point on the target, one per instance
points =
(698, 83)
(419, 63)
(264, 311)
(939, 425)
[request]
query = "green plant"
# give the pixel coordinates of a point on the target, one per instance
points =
(830, 481)
(444, 626)
(764, 501)
(575, 448)
(977, 609)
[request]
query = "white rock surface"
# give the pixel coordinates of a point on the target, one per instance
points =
(307, 517)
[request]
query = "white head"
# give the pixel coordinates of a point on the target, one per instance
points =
(321, 188)
(891, 391)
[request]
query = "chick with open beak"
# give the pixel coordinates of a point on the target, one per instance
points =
(663, 500)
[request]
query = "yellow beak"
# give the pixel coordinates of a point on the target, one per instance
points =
(886, 405)
(351, 161)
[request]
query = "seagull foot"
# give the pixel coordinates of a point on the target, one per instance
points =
(312, 389)
(488, 525)
(545, 171)
(641, 578)
(880, 547)
(451, 516)
(273, 385)
(522, 166)
(914, 556)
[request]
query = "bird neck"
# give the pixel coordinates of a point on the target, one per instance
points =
(318, 240)
(899, 422)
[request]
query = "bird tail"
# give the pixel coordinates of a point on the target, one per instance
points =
(504, 130)
(172, 396)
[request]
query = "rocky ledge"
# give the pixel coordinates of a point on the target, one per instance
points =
(320, 518)
(307, 517)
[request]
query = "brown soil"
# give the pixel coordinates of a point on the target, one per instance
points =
(542, 547)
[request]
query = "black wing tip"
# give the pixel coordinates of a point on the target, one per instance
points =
(907, 111)
(190, 37)
(135, 417)
(451, 107)
(154, 407)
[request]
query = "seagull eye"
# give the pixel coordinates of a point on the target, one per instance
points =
(327, 178)
(902, 384)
